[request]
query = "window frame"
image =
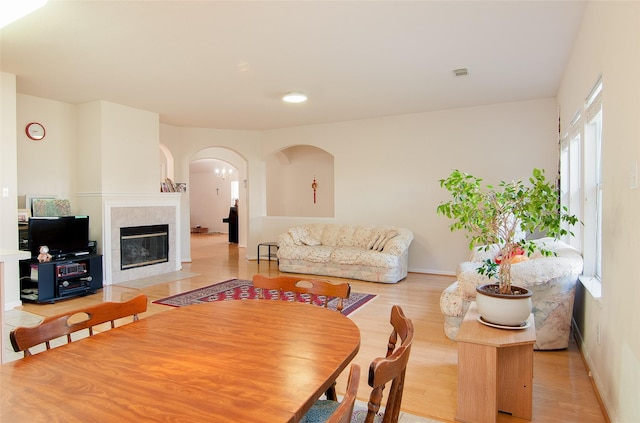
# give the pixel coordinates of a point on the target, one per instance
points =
(582, 188)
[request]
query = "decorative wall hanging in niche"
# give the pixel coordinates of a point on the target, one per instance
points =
(314, 186)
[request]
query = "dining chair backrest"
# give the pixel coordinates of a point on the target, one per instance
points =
(313, 287)
(343, 413)
(391, 368)
(23, 337)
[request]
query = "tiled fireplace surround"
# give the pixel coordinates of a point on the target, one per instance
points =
(118, 213)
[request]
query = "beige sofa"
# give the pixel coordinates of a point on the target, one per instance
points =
(552, 280)
(368, 253)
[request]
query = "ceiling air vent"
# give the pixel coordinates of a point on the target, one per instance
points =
(461, 72)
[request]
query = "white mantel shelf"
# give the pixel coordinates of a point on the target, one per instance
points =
(7, 255)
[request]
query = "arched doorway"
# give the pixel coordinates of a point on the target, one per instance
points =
(217, 178)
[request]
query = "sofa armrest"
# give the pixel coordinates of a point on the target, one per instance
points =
(529, 273)
(544, 269)
(468, 278)
(399, 244)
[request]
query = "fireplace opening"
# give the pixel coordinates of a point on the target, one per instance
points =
(143, 246)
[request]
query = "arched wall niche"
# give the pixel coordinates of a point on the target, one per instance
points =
(290, 173)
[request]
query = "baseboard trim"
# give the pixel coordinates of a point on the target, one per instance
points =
(580, 341)
(431, 271)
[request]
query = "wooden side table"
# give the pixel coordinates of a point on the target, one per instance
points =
(495, 370)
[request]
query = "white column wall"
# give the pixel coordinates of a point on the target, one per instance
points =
(608, 45)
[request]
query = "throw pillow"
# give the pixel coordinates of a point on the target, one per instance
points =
(390, 234)
(376, 245)
(518, 258)
(373, 240)
(298, 233)
(309, 240)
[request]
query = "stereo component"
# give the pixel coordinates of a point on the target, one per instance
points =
(71, 269)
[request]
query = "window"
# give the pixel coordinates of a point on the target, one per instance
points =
(571, 180)
(593, 184)
(235, 191)
(581, 184)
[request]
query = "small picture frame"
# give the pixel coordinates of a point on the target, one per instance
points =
(23, 215)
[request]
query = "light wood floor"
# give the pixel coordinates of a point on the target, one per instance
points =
(562, 388)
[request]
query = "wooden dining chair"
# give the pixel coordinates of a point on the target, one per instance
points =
(329, 411)
(391, 368)
(23, 337)
(313, 287)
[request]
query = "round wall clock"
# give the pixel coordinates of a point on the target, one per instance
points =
(35, 131)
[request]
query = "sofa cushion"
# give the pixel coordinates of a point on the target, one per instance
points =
(315, 254)
(360, 256)
(347, 255)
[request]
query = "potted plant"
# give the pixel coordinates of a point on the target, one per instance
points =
(500, 216)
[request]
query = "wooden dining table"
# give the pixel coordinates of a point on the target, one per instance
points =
(228, 361)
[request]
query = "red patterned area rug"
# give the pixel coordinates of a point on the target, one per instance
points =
(238, 289)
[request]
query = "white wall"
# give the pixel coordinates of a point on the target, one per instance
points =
(10, 297)
(387, 169)
(129, 150)
(608, 45)
(47, 166)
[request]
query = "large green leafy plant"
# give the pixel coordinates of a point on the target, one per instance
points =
(499, 216)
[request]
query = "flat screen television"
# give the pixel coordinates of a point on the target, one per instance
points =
(66, 236)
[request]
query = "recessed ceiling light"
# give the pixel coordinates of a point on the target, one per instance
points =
(295, 97)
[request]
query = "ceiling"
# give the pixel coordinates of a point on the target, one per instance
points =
(226, 64)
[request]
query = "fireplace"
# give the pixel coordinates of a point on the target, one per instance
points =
(136, 211)
(143, 245)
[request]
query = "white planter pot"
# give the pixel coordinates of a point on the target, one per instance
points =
(504, 309)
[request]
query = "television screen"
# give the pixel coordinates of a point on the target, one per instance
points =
(64, 235)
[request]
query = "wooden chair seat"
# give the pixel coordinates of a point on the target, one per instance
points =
(329, 411)
(23, 338)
